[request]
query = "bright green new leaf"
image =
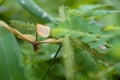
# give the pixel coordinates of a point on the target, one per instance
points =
(76, 26)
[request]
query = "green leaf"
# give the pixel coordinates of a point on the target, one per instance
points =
(76, 26)
(94, 11)
(88, 9)
(79, 22)
(11, 67)
(23, 27)
(84, 57)
(114, 3)
(85, 61)
(99, 13)
(89, 38)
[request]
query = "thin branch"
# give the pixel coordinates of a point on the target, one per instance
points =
(52, 62)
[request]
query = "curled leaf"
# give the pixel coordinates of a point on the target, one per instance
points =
(43, 31)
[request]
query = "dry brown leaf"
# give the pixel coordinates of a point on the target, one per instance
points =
(52, 41)
(43, 31)
(26, 37)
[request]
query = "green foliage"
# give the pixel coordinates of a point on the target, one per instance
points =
(90, 42)
(11, 67)
(68, 59)
(24, 27)
(94, 11)
(114, 3)
(31, 6)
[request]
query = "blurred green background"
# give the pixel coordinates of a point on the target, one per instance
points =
(18, 60)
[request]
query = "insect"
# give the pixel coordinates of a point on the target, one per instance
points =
(41, 30)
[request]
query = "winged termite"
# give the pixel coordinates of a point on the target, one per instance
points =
(41, 30)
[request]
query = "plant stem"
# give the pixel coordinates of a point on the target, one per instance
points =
(33, 8)
(52, 62)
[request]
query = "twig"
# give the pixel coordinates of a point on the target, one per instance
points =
(52, 62)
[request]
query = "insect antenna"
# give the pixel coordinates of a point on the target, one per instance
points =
(58, 50)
